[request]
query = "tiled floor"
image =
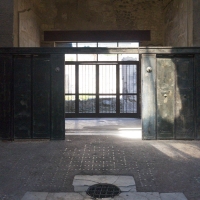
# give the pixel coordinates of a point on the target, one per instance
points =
(50, 166)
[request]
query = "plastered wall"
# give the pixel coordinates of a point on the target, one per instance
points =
(172, 22)
(196, 22)
(178, 20)
(6, 22)
(27, 24)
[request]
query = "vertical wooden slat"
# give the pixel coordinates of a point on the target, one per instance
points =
(197, 85)
(165, 98)
(184, 115)
(5, 96)
(148, 96)
(57, 97)
(41, 96)
(22, 97)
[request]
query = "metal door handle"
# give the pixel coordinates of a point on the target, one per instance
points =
(149, 69)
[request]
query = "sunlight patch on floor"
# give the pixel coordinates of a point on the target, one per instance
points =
(133, 133)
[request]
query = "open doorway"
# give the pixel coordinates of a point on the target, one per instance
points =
(102, 86)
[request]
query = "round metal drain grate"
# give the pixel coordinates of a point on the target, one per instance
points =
(103, 191)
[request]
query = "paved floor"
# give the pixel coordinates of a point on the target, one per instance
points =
(50, 166)
(104, 126)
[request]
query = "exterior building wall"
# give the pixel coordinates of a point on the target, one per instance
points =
(6, 21)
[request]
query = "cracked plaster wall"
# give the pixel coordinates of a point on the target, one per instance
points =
(27, 24)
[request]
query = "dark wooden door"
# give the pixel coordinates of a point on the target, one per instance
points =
(184, 100)
(22, 97)
(39, 96)
(5, 97)
(175, 98)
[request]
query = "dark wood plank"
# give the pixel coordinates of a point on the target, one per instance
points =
(57, 97)
(165, 98)
(22, 97)
(184, 103)
(148, 97)
(41, 96)
(110, 35)
(5, 96)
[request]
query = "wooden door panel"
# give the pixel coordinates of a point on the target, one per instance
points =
(57, 97)
(22, 97)
(5, 96)
(165, 98)
(184, 103)
(41, 96)
(148, 96)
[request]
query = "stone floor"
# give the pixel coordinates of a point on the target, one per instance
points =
(104, 126)
(50, 166)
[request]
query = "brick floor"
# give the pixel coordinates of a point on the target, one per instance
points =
(50, 166)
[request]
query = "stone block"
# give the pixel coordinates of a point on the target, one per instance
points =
(138, 196)
(82, 182)
(65, 196)
(35, 196)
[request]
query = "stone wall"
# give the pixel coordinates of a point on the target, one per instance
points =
(178, 23)
(6, 17)
(109, 15)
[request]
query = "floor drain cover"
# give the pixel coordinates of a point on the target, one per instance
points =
(103, 191)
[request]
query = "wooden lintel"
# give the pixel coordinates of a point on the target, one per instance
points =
(97, 36)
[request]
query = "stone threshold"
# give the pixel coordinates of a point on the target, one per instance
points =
(125, 183)
(122, 196)
(82, 182)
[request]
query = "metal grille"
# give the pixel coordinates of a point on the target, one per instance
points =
(103, 191)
